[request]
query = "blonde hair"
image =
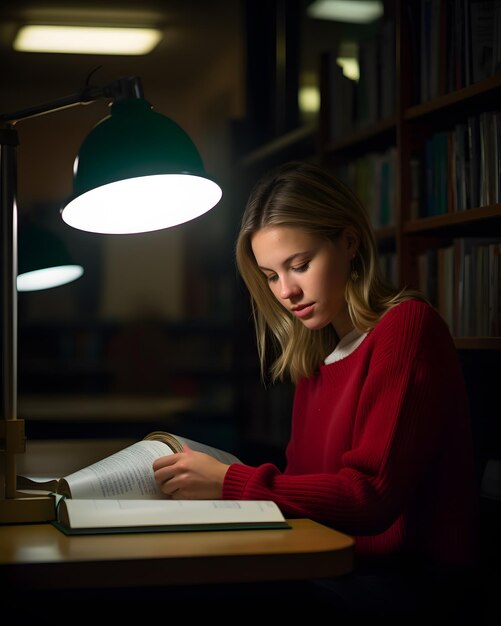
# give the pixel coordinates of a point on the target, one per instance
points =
(305, 196)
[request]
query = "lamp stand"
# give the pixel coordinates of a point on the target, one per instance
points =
(15, 506)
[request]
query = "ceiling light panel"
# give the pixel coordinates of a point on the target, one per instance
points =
(354, 11)
(86, 40)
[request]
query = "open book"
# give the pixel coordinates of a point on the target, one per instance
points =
(119, 494)
(126, 474)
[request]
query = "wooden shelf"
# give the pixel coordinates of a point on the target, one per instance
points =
(301, 140)
(383, 130)
(448, 220)
(483, 90)
(108, 407)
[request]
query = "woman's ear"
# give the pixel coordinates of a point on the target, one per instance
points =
(352, 240)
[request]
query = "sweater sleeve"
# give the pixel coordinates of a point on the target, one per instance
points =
(412, 388)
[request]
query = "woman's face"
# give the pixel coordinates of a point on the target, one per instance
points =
(307, 274)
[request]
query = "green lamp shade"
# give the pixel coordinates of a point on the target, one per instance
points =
(138, 171)
(43, 261)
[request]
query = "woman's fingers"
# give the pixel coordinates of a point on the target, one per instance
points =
(165, 461)
(163, 471)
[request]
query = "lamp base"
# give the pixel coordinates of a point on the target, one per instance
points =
(26, 508)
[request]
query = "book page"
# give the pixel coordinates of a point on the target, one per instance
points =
(176, 443)
(133, 513)
(127, 474)
(220, 455)
(36, 483)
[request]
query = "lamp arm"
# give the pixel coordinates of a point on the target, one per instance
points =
(117, 90)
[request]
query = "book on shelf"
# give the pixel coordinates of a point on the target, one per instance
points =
(477, 286)
(453, 44)
(434, 29)
(340, 102)
(119, 494)
(462, 280)
(482, 33)
(474, 148)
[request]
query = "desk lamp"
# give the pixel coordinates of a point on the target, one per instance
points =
(137, 171)
(44, 261)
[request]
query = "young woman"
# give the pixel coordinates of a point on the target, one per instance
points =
(380, 444)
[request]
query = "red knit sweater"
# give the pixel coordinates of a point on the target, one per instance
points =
(381, 446)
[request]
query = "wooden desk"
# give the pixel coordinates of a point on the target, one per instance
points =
(38, 557)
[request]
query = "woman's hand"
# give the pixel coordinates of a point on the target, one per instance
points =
(190, 475)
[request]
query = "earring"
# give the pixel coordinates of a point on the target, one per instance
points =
(353, 274)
